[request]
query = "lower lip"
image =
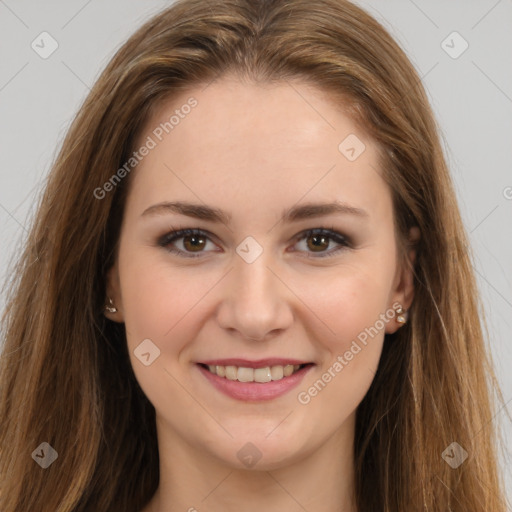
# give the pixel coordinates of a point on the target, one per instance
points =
(255, 391)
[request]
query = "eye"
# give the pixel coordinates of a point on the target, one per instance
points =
(319, 239)
(193, 241)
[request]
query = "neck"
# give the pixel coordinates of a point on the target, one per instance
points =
(192, 481)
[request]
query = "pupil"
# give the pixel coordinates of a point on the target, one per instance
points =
(195, 242)
(318, 240)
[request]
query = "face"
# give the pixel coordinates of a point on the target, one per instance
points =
(267, 283)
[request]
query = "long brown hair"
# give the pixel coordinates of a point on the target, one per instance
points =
(66, 377)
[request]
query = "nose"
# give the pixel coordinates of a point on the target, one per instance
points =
(255, 302)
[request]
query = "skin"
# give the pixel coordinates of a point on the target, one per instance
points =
(254, 150)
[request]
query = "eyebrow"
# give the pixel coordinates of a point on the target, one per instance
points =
(294, 214)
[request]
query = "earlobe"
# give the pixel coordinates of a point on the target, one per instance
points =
(111, 311)
(401, 315)
(404, 293)
(113, 304)
(399, 318)
(110, 306)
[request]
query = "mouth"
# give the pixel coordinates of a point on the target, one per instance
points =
(254, 380)
(260, 375)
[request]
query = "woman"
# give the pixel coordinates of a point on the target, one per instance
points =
(248, 284)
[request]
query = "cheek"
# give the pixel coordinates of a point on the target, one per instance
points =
(351, 307)
(156, 298)
(349, 301)
(158, 305)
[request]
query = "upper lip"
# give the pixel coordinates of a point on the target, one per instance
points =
(260, 363)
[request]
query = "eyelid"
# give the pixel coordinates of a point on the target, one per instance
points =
(343, 241)
(177, 233)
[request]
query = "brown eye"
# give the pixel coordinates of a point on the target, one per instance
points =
(194, 243)
(319, 239)
(318, 242)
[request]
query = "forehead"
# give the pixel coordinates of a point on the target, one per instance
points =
(256, 144)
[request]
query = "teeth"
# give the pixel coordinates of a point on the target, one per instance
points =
(276, 372)
(288, 370)
(262, 375)
(245, 374)
(231, 372)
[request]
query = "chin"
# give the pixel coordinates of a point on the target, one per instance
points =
(262, 453)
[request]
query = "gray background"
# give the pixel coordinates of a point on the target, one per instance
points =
(471, 96)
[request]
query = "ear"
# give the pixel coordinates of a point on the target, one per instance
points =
(403, 288)
(113, 291)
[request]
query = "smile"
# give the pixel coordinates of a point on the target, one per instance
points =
(254, 384)
(262, 375)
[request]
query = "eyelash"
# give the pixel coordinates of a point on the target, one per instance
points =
(331, 233)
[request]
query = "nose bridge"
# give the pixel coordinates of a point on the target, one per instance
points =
(254, 303)
(254, 280)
